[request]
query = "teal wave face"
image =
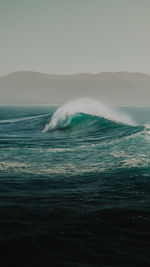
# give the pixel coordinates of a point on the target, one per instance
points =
(82, 110)
(80, 122)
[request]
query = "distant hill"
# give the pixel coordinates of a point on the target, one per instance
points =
(119, 88)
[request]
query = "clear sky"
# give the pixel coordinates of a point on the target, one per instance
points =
(70, 36)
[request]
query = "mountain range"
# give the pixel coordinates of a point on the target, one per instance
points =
(118, 88)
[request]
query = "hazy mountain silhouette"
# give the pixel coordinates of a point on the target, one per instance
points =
(120, 88)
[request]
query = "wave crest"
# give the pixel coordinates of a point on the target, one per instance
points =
(72, 113)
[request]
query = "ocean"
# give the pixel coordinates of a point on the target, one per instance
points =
(74, 185)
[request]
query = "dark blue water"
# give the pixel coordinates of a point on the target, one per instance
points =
(76, 194)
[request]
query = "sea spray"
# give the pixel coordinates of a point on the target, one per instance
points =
(64, 114)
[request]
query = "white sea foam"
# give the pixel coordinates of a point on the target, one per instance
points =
(62, 116)
(12, 165)
(23, 118)
(137, 161)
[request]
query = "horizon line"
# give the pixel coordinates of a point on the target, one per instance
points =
(75, 73)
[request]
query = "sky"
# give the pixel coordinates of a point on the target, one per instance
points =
(73, 36)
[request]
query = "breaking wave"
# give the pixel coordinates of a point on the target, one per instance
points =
(87, 111)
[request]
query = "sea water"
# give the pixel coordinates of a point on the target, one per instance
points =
(74, 185)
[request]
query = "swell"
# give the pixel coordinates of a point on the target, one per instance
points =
(86, 113)
(84, 116)
(82, 120)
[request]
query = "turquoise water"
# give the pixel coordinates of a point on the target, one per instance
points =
(74, 185)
